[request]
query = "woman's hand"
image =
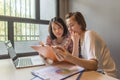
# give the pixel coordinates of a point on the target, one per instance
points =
(48, 41)
(75, 37)
(61, 53)
(41, 43)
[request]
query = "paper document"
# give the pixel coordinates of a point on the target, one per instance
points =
(58, 72)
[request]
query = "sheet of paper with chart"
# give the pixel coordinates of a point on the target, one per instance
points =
(58, 72)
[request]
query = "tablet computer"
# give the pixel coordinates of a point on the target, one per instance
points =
(46, 51)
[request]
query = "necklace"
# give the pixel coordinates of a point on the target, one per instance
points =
(82, 38)
(81, 44)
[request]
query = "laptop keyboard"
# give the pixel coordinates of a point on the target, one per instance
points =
(25, 62)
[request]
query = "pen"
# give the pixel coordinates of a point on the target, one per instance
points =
(80, 74)
(36, 78)
(42, 77)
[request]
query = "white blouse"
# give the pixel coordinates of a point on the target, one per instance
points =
(93, 47)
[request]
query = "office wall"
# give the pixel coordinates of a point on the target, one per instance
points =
(104, 17)
(63, 8)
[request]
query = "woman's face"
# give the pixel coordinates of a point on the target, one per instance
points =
(73, 26)
(57, 30)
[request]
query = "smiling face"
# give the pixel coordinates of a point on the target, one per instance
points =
(73, 26)
(57, 29)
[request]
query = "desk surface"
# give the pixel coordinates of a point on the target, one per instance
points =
(9, 72)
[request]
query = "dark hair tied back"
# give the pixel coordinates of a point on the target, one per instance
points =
(79, 18)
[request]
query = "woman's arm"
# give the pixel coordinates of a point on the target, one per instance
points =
(87, 64)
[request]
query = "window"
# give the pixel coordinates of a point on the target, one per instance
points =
(3, 36)
(3, 31)
(25, 23)
(26, 31)
(47, 9)
(18, 8)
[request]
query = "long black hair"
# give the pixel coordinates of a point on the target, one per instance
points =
(59, 21)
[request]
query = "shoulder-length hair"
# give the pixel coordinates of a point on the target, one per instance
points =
(59, 22)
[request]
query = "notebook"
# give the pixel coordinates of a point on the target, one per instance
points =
(23, 62)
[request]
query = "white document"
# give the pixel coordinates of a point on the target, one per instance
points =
(58, 72)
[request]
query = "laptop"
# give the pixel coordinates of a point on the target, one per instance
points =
(23, 62)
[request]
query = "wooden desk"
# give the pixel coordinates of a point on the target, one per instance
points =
(92, 75)
(8, 72)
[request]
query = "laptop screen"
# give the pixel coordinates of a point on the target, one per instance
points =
(11, 51)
